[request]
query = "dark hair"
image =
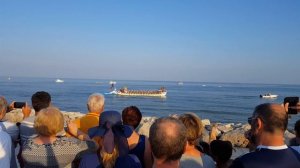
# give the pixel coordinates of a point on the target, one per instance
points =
(167, 139)
(40, 100)
(273, 115)
(131, 116)
(221, 150)
(3, 107)
(297, 128)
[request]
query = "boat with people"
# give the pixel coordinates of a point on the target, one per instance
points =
(268, 96)
(126, 92)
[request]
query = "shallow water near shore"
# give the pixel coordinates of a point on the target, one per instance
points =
(219, 102)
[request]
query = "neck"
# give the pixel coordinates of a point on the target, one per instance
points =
(190, 150)
(269, 139)
(162, 164)
(44, 139)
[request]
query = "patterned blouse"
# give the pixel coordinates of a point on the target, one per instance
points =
(58, 154)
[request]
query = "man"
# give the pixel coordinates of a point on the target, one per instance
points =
(268, 124)
(39, 101)
(167, 140)
(95, 107)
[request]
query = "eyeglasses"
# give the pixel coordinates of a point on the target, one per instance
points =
(252, 118)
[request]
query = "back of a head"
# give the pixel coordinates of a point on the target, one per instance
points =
(40, 100)
(96, 102)
(274, 117)
(221, 150)
(3, 107)
(49, 121)
(193, 125)
(167, 139)
(131, 116)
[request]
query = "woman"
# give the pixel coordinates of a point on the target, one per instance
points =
(192, 157)
(138, 144)
(111, 136)
(48, 150)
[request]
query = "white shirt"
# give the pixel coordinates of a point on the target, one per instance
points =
(272, 147)
(5, 149)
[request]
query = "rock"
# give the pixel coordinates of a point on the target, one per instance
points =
(225, 128)
(205, 122)
(16, 115)
(145, 125)
(288, 136)
(237, 136)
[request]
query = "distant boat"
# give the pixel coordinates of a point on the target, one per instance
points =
(268, 96)
(180, 83)
(59, 81)
(9, 78)
(162, 92)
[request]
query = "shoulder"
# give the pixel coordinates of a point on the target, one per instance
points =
(4, 138)
(90, 161)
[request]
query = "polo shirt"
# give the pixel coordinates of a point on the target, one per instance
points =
(88, 121)
(269, 157)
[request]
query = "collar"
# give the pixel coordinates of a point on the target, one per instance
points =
(272, 147)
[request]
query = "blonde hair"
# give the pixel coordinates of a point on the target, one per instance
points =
(95, 102)
(193, 125)
(49, 121)
(108, 160)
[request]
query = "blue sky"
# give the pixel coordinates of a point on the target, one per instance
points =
(255, 41)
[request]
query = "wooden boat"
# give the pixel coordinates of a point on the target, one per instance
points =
(155, 93)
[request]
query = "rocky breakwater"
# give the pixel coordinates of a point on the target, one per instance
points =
(233, 132)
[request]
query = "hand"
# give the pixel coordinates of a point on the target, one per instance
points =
(26, 110)
(11, 106)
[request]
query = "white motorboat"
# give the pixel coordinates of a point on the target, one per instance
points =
(59, 81)
(268, 96)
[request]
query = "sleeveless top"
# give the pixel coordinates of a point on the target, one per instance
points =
(139, 149)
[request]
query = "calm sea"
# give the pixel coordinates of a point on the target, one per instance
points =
(219, 102)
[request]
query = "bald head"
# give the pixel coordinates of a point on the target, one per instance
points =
(167, 139)
(273, 116)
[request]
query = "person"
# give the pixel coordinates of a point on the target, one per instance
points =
(39, 101)
(5, 149)
(11, 128)
(192, 157)
(6, 146)
(296, 141)
(138, 144)
(268, 124)
(95, 105)
(221, 152)
(48, 150)
(167, 140)
(111, 136)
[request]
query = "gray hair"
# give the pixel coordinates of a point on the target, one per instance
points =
(95, 102)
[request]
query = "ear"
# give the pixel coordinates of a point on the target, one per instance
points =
(259, 123)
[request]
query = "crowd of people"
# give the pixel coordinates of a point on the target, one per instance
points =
(108, 139)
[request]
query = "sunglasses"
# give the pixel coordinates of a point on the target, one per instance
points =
(253, 118)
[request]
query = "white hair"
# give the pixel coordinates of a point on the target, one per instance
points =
(96, 102)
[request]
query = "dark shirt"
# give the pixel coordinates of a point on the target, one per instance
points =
(267, 158)
(139, 149)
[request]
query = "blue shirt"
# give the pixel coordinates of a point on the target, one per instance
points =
(268, 158)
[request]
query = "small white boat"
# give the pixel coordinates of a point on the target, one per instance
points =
(59, 81)
(268, 96)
